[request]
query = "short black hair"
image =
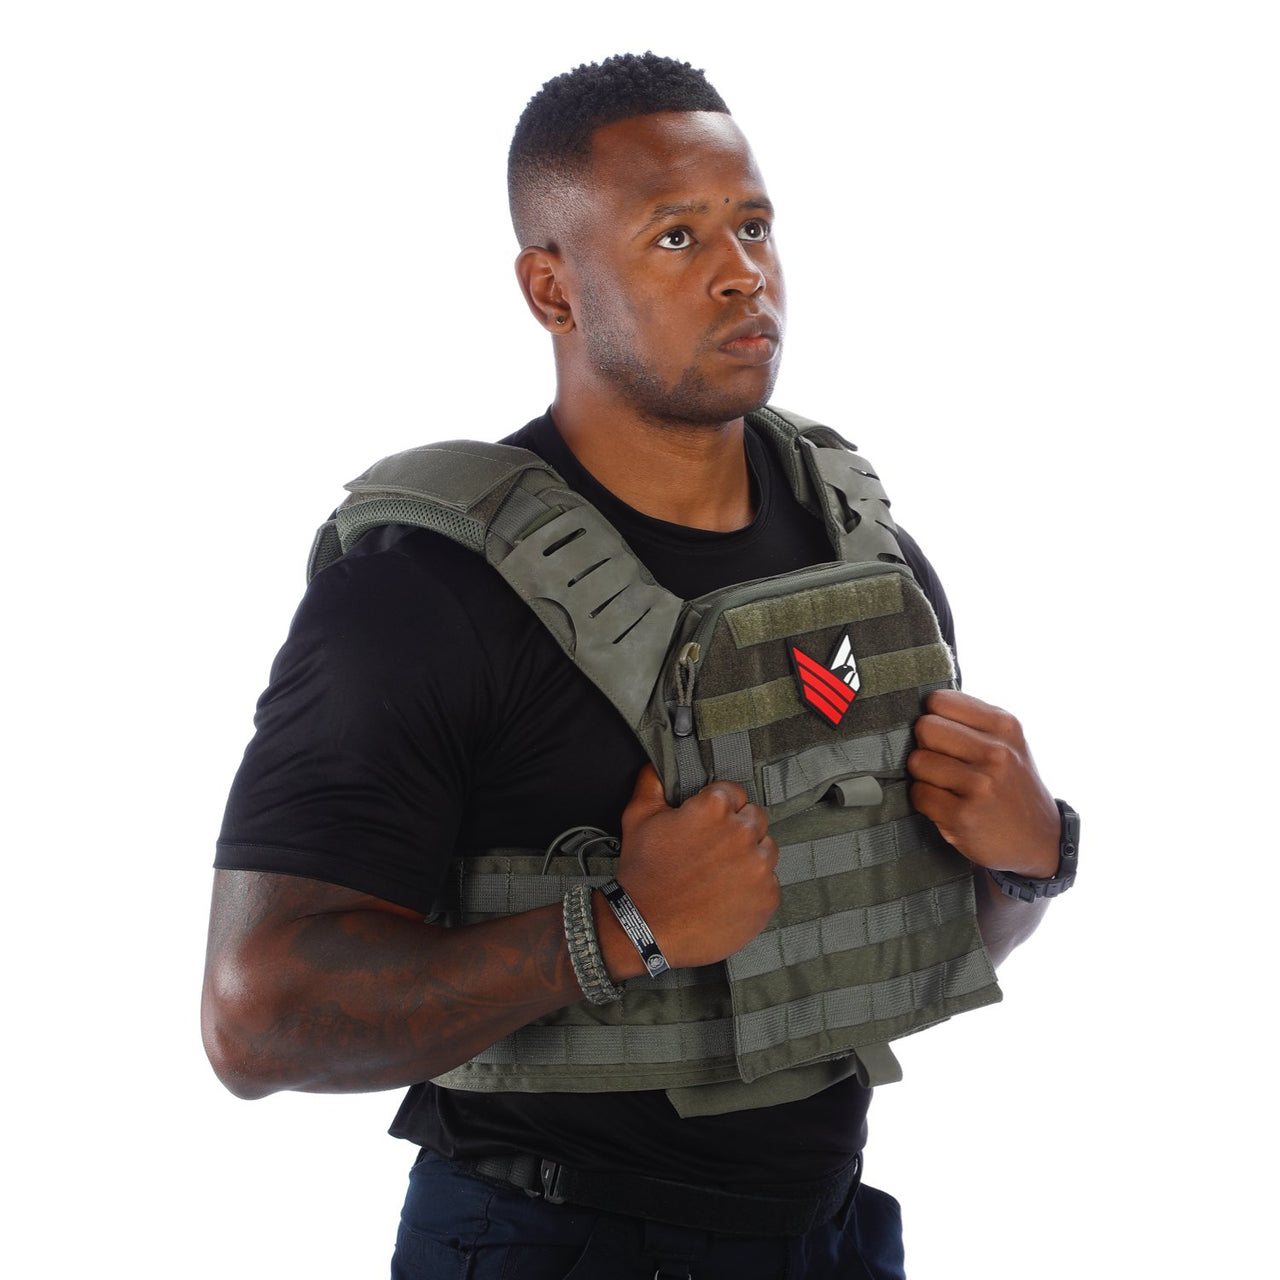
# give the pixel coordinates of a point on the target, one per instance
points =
(552, 140)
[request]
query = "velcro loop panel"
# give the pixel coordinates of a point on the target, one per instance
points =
(785, 616)
(775, 700)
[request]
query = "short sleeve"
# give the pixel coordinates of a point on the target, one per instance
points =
(359, 763)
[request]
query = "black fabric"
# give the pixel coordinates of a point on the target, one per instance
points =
(418, 707)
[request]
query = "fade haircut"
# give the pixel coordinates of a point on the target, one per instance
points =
(552, 142)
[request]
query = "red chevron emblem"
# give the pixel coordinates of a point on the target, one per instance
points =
(829, 690)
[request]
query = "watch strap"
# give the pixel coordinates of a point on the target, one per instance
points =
(1029, 888)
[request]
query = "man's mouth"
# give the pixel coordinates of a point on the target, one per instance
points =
(753, 341)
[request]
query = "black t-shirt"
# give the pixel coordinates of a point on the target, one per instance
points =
(419, 708)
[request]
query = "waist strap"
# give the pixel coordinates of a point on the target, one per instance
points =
(656, 1199)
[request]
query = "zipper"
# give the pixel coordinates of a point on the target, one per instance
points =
(686, 673)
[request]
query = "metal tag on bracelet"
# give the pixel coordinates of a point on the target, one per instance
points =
(634, 926)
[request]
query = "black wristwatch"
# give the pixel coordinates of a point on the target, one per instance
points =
(1028, 888)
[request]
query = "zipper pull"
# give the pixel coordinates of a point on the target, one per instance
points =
(685, 674)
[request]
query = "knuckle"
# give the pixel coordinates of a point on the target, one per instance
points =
(1005, 725)
(999, 757)
(727, 795)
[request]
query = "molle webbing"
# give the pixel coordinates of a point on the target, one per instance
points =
(876, 935)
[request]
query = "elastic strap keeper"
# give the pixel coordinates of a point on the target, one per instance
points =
(634, 926)
(584, 948)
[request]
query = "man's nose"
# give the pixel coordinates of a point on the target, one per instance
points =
(741, 270)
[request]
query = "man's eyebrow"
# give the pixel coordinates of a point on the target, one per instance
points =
(663, 212)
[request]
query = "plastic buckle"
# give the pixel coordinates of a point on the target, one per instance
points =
(550, 1173)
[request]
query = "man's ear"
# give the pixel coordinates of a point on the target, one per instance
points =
(540, 274)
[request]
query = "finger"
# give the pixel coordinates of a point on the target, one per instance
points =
(942, 771)
(730, 794)
(940, 806)
(770, 848)
(952, 738)
(756, 820)
(964, 708)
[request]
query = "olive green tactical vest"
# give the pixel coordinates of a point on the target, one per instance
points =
(803, 688)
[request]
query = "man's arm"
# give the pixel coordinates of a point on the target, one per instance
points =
(974, 776)
(315, 987)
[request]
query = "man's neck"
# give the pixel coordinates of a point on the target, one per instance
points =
(692, 475)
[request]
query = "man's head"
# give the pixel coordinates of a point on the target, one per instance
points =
(551, 148)
(647, 251)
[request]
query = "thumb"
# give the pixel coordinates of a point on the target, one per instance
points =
(648, 796)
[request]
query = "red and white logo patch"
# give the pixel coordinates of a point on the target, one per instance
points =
(829, 690)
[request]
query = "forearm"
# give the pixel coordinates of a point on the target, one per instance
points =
(315, 987)
(359, 1000)
(1005, 923)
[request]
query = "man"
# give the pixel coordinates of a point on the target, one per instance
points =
(420, 708)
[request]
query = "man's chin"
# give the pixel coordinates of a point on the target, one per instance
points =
(690, 408)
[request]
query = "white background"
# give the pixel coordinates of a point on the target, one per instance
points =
(1031, 250)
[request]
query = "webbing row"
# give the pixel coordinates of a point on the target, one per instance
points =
(657, 1044)
(879, 753)
(851, 850)
(599, 1045)
(856, 1006)
(846, 931)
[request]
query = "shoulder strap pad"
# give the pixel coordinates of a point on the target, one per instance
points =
(568, 562)
(834, 483)
(551, 545)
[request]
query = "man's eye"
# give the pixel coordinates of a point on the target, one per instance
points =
(755, 229)
(676, 238)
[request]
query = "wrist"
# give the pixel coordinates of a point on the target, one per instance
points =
(621, 959)
(1028, 887)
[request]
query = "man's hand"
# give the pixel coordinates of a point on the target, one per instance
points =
(975, 778)
(701, 875)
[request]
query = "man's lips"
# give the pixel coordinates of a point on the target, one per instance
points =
(753, 340)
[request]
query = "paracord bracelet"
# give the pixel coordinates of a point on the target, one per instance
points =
(634, 926)
(584, 948)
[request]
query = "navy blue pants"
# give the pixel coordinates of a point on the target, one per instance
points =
(456, 1227)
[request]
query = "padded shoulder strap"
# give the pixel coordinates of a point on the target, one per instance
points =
(834, 483)
(551, 545)
(568, 562)
(453, 488)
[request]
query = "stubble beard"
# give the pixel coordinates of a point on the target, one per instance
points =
(692, 402)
